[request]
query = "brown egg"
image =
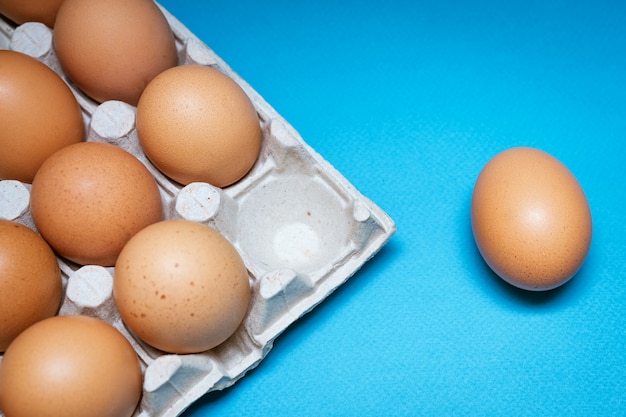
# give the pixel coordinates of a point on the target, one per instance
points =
(111, 49)
(68, 366)
(30, 280)
(197, 125)
(38, 114)
(181, 287)
(531, 219)
(23, 11)
(88, 199)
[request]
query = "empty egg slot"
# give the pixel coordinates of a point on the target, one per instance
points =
(291, 221)
(293, 217)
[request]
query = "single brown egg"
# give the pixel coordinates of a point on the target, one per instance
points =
(30, 280)
(23, 11)
(88, 199)
(68, 366)
(197, 125)
(531, 219)
(111, 49)
(38, 114)
(181, 287)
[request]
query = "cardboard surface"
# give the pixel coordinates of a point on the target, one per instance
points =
(409, 100)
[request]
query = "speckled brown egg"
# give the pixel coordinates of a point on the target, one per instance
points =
(38, 115)
(30, 280)
(197, 125)
(23, 11)
(111, 49)
(70, 366)
(88, 199)
(181, 287)
(531, 219)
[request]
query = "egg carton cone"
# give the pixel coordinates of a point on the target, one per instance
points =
(301, 228)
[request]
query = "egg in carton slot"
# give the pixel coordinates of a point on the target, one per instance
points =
(301, 228)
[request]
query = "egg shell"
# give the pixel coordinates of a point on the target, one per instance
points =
(70, 366)
(29, 277)
(531, 219)
(196, 124)
(109, 55)
(343, 230)
(39, 115)
(88, 199)
(181, 286)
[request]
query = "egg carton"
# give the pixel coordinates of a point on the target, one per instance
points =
(300, 226)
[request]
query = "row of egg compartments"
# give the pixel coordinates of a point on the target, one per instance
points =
(300, 230)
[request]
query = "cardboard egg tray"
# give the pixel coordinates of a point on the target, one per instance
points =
(300, 226)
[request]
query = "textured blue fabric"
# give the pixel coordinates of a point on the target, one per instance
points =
(409, 100)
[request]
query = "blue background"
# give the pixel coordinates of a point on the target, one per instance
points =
(409, 100)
